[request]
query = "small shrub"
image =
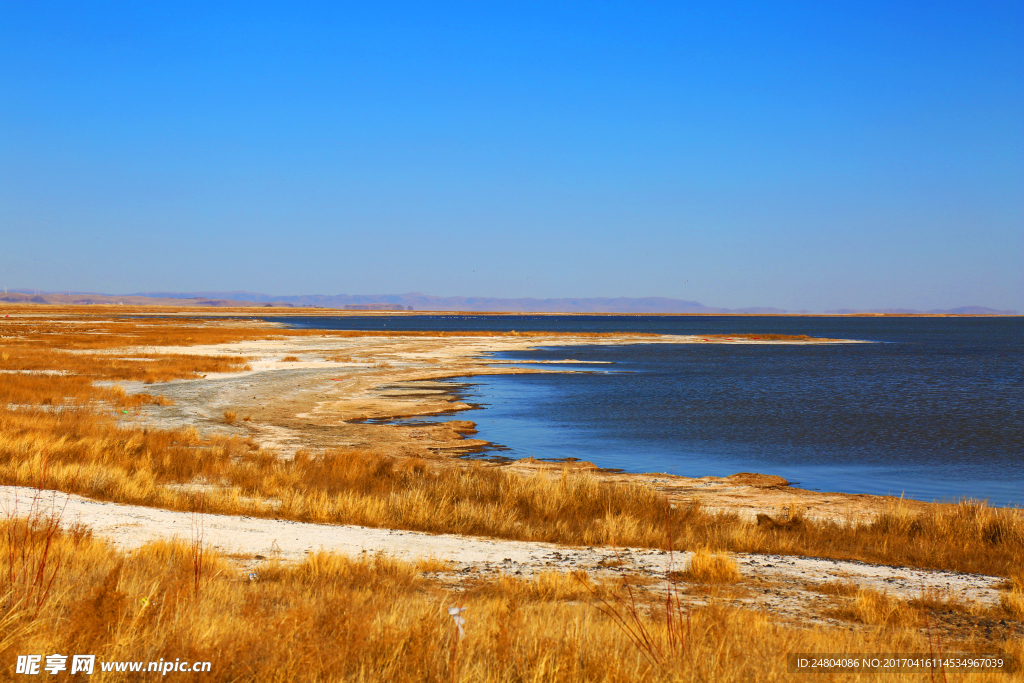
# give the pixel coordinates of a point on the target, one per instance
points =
(1013, 600)
(545, 586)
(433, 565)
(711, 567)
(843, 588)
(230, 416)
(878, 609)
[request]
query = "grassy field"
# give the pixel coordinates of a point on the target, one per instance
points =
(375, 619)
(334, 618)
(59, 429)
(80, 451)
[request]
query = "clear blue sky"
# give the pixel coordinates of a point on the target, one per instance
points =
(805, 156)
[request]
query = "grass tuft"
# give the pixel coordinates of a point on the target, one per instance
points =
(707, 566)
(874, 608)
(433, 565)
(1012, 601)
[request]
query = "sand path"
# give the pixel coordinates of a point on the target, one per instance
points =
(779, 582)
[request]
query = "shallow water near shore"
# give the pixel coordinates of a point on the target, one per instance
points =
(934, 411)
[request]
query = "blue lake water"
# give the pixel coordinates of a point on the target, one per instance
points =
(933, 410)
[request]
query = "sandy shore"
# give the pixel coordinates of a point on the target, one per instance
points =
(340, 389)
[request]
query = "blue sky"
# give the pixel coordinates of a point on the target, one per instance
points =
(805, 156)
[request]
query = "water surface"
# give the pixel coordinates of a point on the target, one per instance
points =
(932, 409)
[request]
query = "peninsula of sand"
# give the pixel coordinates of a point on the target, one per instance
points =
(315, 389)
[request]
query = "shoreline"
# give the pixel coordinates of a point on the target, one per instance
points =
(355, 407)
(349, 385)
(259, 312)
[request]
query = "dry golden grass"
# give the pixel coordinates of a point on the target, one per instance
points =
(878, 608)
(940, 601)
(838, 587)
(765, 337)
(82, 332)
(875, 608)
(373, 619)
(377, 571)
(1012, 601)
(230, 416)
(290, 359)
(433, 565)
(79, 451)
(336, 618)
(549, 586)
(81, 369)
(69, 441)
(968, 535)
(711, 567)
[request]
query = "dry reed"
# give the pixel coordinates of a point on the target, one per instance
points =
(711, 567)
(876, 608)
(78, 451)
(371, 619)
(60, 433)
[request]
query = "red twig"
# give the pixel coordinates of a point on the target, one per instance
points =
(198, 534)
(627, 615)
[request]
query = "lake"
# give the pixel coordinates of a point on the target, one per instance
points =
(933, 409)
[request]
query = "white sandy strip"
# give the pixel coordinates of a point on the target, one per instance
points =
(130, 526)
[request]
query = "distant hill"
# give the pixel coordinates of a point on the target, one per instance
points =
(424, 302)
(963, 310)
(81, 298)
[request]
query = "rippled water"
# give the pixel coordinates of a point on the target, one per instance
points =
(934, 410)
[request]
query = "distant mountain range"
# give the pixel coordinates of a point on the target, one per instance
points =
(424, 302)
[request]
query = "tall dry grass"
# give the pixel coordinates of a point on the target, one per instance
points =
(373, 619)
(1013, 599)
(80, 452)
(83, 332)
(333, 618)
(24, 360)
(765, 337)
(63, 436)
(711, 567)
(877, 608)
